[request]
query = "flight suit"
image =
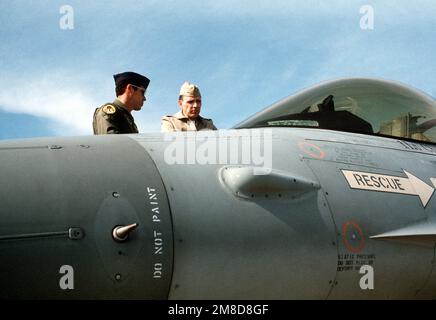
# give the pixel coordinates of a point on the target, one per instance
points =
(113, 118)
(179, 122)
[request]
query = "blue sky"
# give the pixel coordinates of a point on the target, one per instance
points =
(244, 55)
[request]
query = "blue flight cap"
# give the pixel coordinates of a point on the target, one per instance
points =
(129, 77)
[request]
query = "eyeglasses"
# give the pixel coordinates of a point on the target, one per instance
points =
(140, 89)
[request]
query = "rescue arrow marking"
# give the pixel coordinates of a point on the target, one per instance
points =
(384, 183)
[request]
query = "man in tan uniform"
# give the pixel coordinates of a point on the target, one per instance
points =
(115, 117)
(188, 118)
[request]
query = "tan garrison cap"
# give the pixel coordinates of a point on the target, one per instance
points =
(190, 90)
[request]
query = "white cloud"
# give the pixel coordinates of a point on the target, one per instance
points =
(58, 99)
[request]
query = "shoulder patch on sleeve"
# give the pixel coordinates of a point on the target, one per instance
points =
(109, 109)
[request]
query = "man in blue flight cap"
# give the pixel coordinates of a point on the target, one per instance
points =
(116, 117)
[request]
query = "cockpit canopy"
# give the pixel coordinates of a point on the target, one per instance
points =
(368, 106)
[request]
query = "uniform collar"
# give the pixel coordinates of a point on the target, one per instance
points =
(118, 103)
(122, 106)
(180, 116)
